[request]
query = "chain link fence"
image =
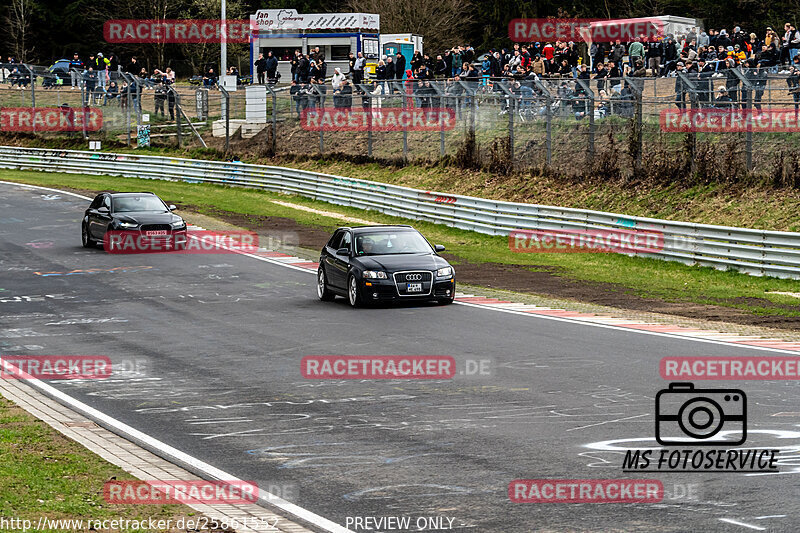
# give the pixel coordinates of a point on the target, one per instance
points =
(574, 127)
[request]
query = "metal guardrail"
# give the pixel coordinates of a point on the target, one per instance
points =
(756, 252)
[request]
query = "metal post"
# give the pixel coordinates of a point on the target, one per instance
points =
(511, 113)
(440, 94)
(549, 119)
(274, 120)
(637, 121)
(748, 86)
(590, 111)
(177, 116)
(227, 109)
(405, 128)
(693, 136)
(321, 141)
(511, 98)
(365, 88)
(692, 88)
(274, 131)
(128, 110)
(84, 103)
(223, 47)
(748, 143)
(33, 85)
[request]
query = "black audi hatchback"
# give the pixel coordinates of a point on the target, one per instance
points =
(383, 263)
(137, 212)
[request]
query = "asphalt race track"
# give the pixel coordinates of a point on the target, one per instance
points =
(221, 338)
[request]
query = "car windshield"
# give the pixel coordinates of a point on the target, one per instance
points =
(128, 204)
(398, 242)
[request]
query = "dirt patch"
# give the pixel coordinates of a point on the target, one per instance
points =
(546, 282)
(538, 280)
(308, 236)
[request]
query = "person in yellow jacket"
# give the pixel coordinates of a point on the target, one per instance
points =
(101, 67)
(739, 55)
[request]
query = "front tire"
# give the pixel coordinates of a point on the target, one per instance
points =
(353, 293)
(323, 292)
(86, 240)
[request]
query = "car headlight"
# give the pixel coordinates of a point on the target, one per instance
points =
(445, 272)
(128, 225)
(374, 274)
(178, 224)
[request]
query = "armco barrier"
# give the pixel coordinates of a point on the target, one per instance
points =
(756, 252)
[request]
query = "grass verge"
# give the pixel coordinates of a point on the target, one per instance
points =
(647, 278)
(45, 475)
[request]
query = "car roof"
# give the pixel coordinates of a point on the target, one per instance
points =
(121, 194)
(379, 227)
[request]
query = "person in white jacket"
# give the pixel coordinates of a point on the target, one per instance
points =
(337, 79)
(377, 92)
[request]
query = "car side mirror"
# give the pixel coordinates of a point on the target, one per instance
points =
(172, 207)
(438, 248)
(103, 210)
(343, 251)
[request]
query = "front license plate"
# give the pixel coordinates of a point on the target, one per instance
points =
(414, 287)
(155, 233)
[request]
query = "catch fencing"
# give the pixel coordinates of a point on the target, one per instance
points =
(756, 252)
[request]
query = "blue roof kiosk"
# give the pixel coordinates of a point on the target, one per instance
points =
(336, 34)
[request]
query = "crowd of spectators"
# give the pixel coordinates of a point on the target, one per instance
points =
(711, 57)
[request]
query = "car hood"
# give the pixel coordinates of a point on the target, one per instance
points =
(147, 217)
(397, 263)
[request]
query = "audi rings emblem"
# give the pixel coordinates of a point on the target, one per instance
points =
(413, 277)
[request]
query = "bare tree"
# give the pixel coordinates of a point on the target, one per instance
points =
(440, 22)
(201, 54)
(18, 27)
(154, 53)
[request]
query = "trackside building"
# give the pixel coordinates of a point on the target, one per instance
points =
(283, 31)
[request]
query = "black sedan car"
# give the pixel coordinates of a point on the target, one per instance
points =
(139, 213)
(380, 263)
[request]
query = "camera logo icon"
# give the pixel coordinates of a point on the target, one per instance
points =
(695, 417)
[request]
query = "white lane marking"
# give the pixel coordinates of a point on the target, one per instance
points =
(736, 522)
(629, 330)
(173, 453)
(770, 516)
(76, 195)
